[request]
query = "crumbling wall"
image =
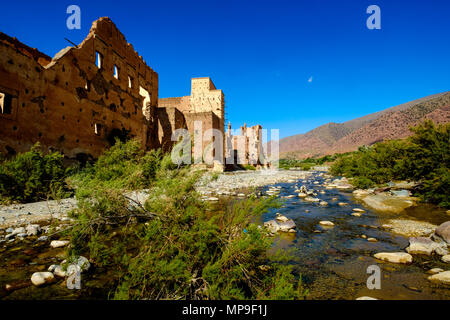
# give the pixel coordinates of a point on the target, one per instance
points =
(206, 104)
(169, 120)
(245, 148)
(82, 99)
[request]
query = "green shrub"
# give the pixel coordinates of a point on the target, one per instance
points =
(33, 176)
(424, 157)
(124, 166)
(249, 167)
(174, 247)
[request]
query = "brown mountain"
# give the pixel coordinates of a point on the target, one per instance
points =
(391, 123)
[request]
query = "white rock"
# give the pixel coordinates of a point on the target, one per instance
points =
(421, 245)
(281, 218)
(33, 229)
(311, 199)
(366, 298)
(20, 230)
(326, 223)
(435, 270)
(394, 257)
(443, 277)
(343, 203)
(446, 258)
(356, 214)
(59, 243)
(57, 270)
(372, 240)
(358, 210)
(360, 193)
(275, 226)
(323, 203)
(40, 278)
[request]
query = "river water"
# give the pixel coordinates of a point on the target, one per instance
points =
(332, 262)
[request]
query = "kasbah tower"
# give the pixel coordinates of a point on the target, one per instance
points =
(85, 97)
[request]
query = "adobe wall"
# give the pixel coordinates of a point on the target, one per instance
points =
(69, 104)
(169, 119)
(246, 147)
(205, 104)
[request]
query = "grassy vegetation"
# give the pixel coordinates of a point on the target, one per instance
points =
(248, 167)
(33, 176)
(308, 163)
(424, 157)
(173, 247)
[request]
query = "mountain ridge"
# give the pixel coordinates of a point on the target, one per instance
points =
(390, 123)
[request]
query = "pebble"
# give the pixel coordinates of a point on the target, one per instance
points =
(42, 238)
(326, 223)
(59, 243)
(372, 240)
(40, 278)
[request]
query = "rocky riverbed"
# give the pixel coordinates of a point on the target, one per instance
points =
(335, 234)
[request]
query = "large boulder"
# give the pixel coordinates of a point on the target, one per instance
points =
(387, 203)
(280, 224)
(272, 226)
(360, 193)
(443, 277)
(443, 231)
(394, 257)
(421, 245)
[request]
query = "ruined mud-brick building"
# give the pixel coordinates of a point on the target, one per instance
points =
(80, 100)
(202, 111)
(246, 148)
(85, 97)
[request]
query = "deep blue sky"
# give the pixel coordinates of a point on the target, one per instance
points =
(262, 53)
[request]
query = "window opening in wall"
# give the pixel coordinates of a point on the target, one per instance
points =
(5, 103)
(98, 59)
(98, 128)
(116, 72)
